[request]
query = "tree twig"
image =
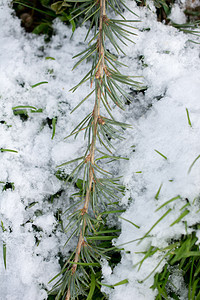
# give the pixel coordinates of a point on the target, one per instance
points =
(91, 156)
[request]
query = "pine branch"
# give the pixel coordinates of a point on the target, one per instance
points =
(91, 156)
(98, 188)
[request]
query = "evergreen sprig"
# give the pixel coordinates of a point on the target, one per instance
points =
(100, 191)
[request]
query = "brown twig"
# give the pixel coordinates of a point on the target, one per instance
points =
(96, 115)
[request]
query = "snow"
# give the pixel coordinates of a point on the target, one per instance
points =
(177, 14)
(172, 75)
(169, 64)
(33, 235)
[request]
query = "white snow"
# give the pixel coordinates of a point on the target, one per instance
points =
(172, 74)
(33, 236)
(177, 14)
(170, 67)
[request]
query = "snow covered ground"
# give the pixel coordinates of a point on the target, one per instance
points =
(169, 64)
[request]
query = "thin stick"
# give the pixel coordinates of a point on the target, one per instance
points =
(91, 157)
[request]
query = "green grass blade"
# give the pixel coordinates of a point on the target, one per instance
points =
(184, 213)
(158, 192)
(194, 288)
(49, 57)
(8, 150)
(54, 127)
(121, 282)
(92, 287)
(49, 13)
(39, 110)
(165, 157)
(4, 254)
(152, 250)
(167, 202)
(190, 168)
(39, 83)
(155, 268)
(24, 107)
(188, 117)
(161, 218)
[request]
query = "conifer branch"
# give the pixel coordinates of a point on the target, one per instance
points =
(98, 188)
(91, 156)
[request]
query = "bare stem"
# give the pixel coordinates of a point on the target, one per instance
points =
(96, 110)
